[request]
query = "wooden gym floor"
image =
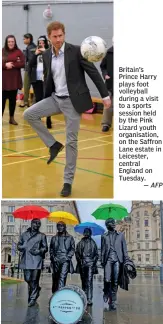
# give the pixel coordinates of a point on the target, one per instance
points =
(26, 174)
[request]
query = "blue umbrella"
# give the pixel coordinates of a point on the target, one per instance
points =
(96, 229)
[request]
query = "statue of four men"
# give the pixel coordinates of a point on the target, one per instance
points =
(114, 259)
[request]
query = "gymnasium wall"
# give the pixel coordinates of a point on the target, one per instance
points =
(80, 19)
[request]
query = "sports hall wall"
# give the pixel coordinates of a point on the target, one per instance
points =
(80, 19)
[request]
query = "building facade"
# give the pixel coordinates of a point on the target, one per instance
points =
(11, 227)
(143, 234)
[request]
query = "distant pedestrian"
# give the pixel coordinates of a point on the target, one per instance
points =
(12, 269)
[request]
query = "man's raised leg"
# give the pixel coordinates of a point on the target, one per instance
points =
(44, 108)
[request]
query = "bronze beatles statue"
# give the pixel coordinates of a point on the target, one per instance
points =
(62, 249)
(87, 256)
(116, 263)
(33, 246)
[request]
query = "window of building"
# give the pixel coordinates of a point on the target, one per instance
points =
(51, 209)
(50, 229)
(138, 234)
(147, 257)
(147, 246)
(146, 234)
(146, 213)
(24, 228)
(11, 219)
(11, 209)
(25, 221)
(10, 229)
(48, 221)
(137, 214)
(146, 223)
(139, 257)
(137, 223)
(138, 246)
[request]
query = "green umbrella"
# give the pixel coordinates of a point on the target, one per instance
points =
(110, 211)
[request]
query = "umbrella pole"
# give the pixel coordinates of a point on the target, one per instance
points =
(19, 253)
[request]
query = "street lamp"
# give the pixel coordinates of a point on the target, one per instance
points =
(161, 230)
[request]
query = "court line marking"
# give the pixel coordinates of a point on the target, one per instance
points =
(99, 140)
(19, 123)
(12, 130)
(56, 162)
(17, 130)
(46, 156)
(57, 133)
(51, 132)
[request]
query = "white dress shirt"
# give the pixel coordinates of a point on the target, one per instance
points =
(59, 75)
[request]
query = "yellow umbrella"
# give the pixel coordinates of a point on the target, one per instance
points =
(62, 216)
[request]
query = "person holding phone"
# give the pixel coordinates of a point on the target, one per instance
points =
(35, 70)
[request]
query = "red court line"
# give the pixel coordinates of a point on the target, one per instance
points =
(59, 157)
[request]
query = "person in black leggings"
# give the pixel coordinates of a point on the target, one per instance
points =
(12, 61)
(35, 69)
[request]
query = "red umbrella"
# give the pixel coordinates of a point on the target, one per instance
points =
(30, 212)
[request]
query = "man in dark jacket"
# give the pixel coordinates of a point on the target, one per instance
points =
(113, 255)
(66, 92)
(29, 51)
(87, 256)
(33, 246)
(62, 249)
(107, 68)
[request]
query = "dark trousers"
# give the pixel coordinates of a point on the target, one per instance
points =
(38, 90)
(32, 278)
(86, 275)
(111, 275)
(59, 276)
(39, 95)
(11, 95)
(108, 114)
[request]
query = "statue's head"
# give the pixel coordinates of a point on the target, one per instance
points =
(110, 224)
(87, 232)
(61, 227)
(35, 224)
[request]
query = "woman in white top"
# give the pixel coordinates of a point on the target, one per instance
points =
(36, 71)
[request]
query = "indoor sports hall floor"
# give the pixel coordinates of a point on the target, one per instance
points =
(27, 175)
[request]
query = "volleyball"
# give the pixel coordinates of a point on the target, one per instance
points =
(93, 48)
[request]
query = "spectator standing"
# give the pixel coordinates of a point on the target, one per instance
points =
(13, 61)
(107, 72)
(30, 49)
(35, 70)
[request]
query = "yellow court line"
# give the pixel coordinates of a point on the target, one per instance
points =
(19, 123)
(8, 138)
(17, 130)
(42, 148)
(99, 140)
(13, 130)
(41, 157)
(21, 152)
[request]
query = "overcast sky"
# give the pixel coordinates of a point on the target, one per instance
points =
(87, 207)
